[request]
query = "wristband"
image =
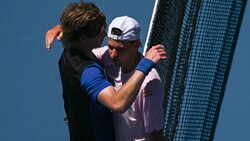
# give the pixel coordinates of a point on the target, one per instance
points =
(145, 65)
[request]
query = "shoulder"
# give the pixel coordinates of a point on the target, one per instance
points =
(92, 73)
(153, 74)
(153, 82)
(100, 51)
(71, 59)
(103, 56)
(92, 69)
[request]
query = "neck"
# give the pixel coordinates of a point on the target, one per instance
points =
(86, 50)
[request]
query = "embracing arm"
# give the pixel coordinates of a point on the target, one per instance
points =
(122, 99)
(52, 34)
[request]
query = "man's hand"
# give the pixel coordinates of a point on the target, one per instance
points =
(52, 34)
(156, 53)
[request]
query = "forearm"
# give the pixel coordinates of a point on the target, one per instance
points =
(123, 98)
(129, 91)
(120, 100)
(126, 95)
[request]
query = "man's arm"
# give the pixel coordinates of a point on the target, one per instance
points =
(123, 98)
(52, 34)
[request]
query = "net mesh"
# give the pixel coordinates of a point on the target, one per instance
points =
(200, 38)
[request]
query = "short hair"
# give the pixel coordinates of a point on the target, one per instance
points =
(81, 19)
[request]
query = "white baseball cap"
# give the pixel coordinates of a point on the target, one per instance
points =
(129, 27)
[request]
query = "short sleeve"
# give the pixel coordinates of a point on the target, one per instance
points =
(153, 105)
(93, 80)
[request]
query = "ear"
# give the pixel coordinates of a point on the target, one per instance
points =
(138, 44)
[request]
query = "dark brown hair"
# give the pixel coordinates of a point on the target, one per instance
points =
(81, 19)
